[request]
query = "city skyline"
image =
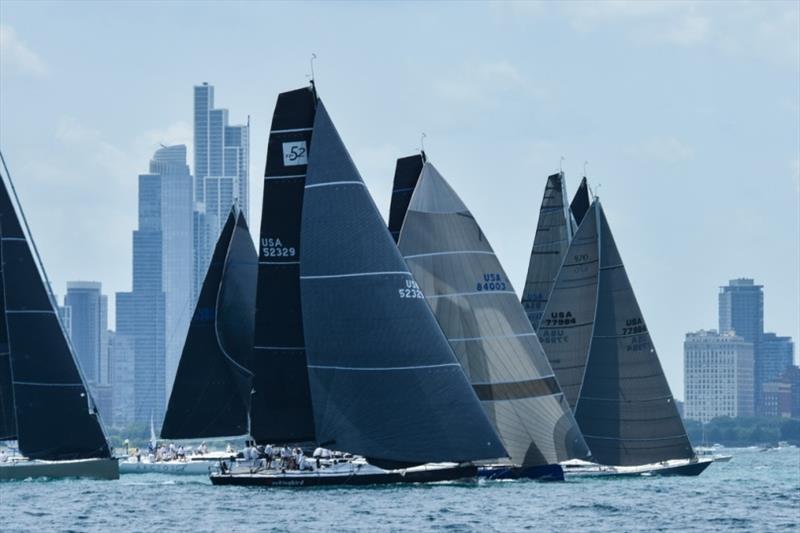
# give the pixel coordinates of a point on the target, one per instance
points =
(697, 192)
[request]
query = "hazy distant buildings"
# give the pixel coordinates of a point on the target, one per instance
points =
(776, 354)
(221, 175)
(89, 321)
(718, 375)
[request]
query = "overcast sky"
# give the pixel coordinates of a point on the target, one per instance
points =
(688, 113)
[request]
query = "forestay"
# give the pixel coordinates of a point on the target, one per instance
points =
(385, 383)
(554, 231)
(281, 409)
(56, 418)
(211, 394)
(479, 312)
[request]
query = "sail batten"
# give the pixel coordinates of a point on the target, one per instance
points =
(384, 382)
(478, 310)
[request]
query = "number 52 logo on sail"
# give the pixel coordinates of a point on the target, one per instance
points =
(295, 153)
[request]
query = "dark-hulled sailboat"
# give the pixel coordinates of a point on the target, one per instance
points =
(554, 232)
(381, 379)
(596, 339)
(478, 310)
(46, 405)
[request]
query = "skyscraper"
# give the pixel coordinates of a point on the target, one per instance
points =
(221, 162)
(718, 375)
(89, 320)
(741, 310)
(776, 354)
(153, 318)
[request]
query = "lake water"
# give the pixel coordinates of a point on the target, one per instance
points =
(756, 491)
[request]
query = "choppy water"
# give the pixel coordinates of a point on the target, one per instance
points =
(757, 491)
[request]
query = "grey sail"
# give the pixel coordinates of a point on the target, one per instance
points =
(624, 408)
(281, 408)
(211, 394)
(554, 231)
(478, 310)
(56, 417)
(384, 382)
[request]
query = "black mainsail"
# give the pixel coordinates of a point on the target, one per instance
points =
(281, 408)
(56, 417)
(580, 202)
(211, 394)
(8, 419)
(476, 306)
(554, 231)
(406, 174)
(384, 381)
(597, 341)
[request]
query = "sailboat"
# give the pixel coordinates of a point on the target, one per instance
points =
(211, 394)
(598, 344)
(554, 232)
(46, 405)
(382, 382)
(475, 304)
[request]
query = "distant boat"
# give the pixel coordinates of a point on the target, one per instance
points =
(44, 402)
(598, 344)
(383, 383)
(478, 310)
(554, 231)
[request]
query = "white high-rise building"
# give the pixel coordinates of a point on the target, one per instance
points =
(718, 375)
(221, 175)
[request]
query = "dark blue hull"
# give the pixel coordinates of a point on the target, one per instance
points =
(540, 473)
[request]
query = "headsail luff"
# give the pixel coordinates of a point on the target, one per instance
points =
(384, 382)
(479, 312)
(580, 202)
(211, 394)
(624, 408)
(8, 419)
(281, 408)
(406, 174)
(56, 417)
(554, 231)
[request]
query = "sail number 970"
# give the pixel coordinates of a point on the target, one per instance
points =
(273, 247)
(411, 290)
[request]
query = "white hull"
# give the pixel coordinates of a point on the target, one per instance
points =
(175, 468)
(674, 467)
(86, 468)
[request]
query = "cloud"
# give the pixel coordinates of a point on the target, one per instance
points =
(17, 56)
(486, 83)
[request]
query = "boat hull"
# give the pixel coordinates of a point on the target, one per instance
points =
(669, 468)
(371, 476)
(539, 473)
(80, 468)
(174, 468)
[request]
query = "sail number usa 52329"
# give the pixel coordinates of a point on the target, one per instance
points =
(274, 247)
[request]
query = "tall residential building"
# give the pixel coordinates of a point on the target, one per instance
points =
(741, 310)
(89, 320)
(718, 375)
(221, 175)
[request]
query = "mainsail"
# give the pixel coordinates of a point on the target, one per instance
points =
(580, 202)
(281, 409)
(553, 234)
(406, 174)
(8, 419)
(478, 310)
(384, 381)
(211, 394)
(56, 418)
(597, 341)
